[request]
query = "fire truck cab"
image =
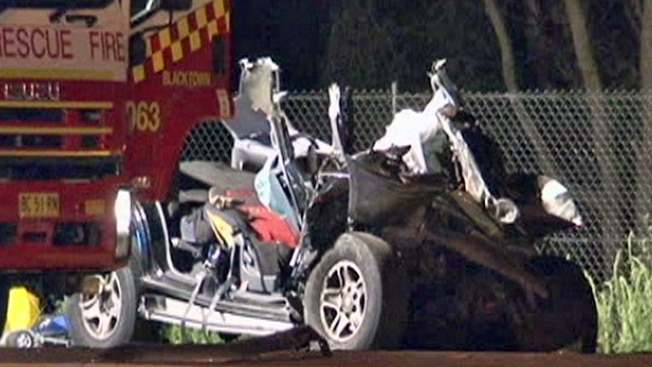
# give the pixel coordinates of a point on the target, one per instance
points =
(96, 99)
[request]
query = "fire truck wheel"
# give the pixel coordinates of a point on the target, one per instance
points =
(357, 295)
(4, 302)
(108, 318)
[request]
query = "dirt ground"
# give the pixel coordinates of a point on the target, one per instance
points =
(218, 355)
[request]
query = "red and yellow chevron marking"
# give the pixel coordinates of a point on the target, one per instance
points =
(186, 35)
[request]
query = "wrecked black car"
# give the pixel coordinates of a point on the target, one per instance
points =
(412, 243)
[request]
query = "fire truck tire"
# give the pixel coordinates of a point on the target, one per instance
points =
(108, 318)
(4, 302)
(357, 295)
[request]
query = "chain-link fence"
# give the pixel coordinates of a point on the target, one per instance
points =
(596, 144)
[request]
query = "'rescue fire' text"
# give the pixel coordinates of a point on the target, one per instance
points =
(53, 44)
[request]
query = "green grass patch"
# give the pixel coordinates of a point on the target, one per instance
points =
(175, 334)
(623, 300)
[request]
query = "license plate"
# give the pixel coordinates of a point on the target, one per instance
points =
(39, 205)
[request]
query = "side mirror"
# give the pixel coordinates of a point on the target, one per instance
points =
(175, 5)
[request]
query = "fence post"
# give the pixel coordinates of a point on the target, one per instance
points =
(394, 93)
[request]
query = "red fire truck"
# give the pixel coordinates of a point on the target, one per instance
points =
(96, 99)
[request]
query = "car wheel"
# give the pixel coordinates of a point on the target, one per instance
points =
(356, 297)
(107, 318)
(568, 318)
(21, 339)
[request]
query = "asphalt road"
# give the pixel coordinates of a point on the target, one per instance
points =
(203, 355)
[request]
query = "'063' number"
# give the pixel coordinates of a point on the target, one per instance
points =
(144, 116)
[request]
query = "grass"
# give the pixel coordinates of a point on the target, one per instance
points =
(624, 300)
(179, 335)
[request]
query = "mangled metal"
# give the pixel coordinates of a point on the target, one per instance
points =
(417, 129)
(366, 247)
(258, 100)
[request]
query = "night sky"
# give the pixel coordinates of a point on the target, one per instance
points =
(292, 32)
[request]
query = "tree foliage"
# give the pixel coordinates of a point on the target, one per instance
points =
(369, 43)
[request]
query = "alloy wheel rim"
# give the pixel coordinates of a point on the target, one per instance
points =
(101, 311)
(24, 340)
(343, 301)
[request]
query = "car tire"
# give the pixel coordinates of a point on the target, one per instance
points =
(21, 339)
(106, 319)
(356, 297)
(567, 319)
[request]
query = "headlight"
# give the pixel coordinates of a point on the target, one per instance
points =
(123, 210)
